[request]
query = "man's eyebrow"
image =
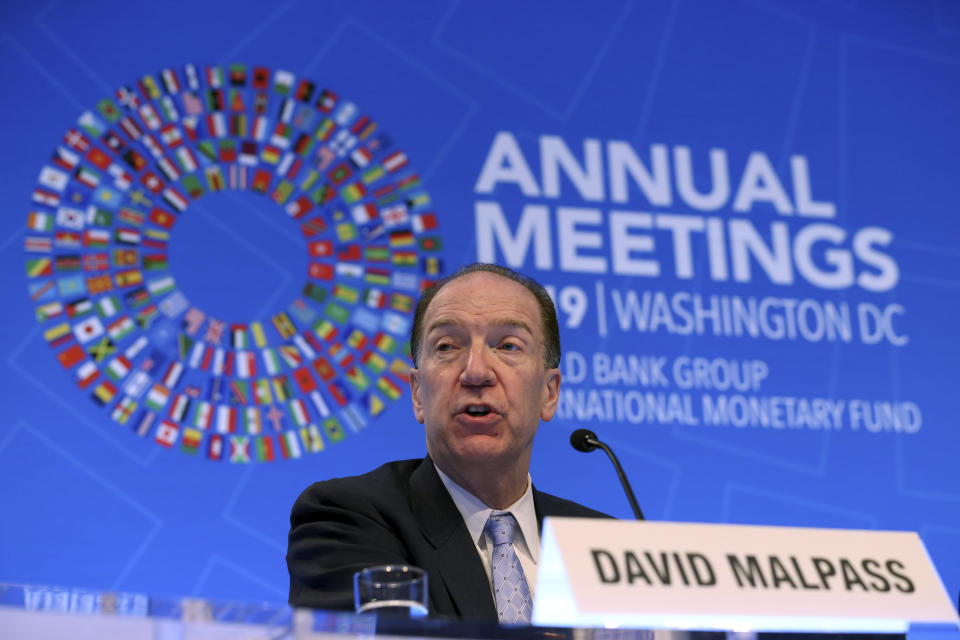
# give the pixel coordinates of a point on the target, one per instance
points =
(445, 323)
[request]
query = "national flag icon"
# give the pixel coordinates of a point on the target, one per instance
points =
(167, 433)
(86, 374)
(58, 335)
(282, 388)
(98, 216)
(126, 235)
(39, 221)
(48, 311)
(46, 197)
(363, 213)
(252, 420)
(137, 383)
(347, 294)
(161, 286)
(424, 222)
(69, 218)
(319, 404)
(337, 313)
(107, 307)
(203, 415)
(96, 261)
(262, 394)
(395, 161)
(431, 243)
(125, 257)
(157, 397)
(261, 181)
(325, 329)
(72, 355)
(180, 407)
(299, 207)
(128, 278)
(238, 75)
(339, 392)
(304, 379)
(67, 262)
(282, 192)
(395, 215)
(357, 378)
(226, 419)
(71, 286)
(374, 361)
(389, 388)
(239, 449)
(88, 330)
(402, 258)
(96, 238)
(104, 392)
(191, 440)
(395, 323)
(215, 447)
(174, 198)
(403, 238)
(99, 284)
(173, 374)
(353, 192)
(271, 362)
(123, 410)
(214, 178)
(120, 328)
(289, 444)
(41, 290)
(298, 412)
(405, 280)
(375, 275)
(66, 239)
(335, 433)
(65, 158)
(283, 325)
(264, 448)
(118, 368)
(38, 267)
(401, 302)
(53, 178)
(312, 439)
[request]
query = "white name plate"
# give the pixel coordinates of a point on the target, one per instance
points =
(664, 575)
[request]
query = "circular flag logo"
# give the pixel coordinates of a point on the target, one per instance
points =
(103, 218)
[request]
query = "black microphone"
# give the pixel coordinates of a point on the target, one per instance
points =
(586, 441)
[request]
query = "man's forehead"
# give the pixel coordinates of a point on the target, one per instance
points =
(487, 297)
(446, 321)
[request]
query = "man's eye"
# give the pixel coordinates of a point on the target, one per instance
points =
(444, 346)
(510, 346)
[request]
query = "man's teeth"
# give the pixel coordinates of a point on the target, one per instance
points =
(478, 410)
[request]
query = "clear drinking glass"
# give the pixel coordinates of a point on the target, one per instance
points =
(392, 589)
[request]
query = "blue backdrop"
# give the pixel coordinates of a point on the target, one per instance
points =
(216, 216)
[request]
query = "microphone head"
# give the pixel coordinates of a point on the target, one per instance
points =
(583, 440)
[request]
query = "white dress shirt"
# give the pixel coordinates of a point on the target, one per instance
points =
(526, 539)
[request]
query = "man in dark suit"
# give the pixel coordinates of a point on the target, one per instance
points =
(486, 346)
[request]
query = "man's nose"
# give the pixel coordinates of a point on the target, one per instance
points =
(477, 370)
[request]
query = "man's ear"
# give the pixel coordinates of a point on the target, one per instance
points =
(415, 394)
(552, 394)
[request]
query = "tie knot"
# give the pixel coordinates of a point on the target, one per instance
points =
(500, 527)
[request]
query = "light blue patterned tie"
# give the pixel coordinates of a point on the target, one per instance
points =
(514, 604)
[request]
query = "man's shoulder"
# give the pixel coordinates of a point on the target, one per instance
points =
(550, 505)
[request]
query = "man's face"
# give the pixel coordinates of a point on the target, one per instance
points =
(482, 388)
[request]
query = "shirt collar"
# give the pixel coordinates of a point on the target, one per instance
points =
(476, 513)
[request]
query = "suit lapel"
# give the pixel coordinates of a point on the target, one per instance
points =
(464, 580)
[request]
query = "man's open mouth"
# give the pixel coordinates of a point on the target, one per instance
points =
(477, 410)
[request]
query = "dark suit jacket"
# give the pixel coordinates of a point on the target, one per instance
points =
(399, 513)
